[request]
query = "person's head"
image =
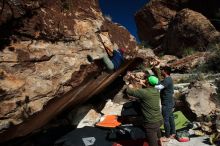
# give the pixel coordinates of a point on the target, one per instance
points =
(152, 80)
(165, 71)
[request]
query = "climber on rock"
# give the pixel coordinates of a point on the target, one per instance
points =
(113, 59)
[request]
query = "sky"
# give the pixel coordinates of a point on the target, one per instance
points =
(122, 11)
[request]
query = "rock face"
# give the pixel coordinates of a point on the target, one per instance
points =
(208, 8)
(52, 20)
(152, 21)
(201, 98)
(189, 30)
(188, 63)
(177, 28)
(43, 54)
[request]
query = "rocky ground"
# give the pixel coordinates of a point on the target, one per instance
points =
(200, 141)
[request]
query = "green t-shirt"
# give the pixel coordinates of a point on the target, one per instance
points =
(150, 103)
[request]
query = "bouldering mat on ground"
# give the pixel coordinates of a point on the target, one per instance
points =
(87, 136)
(94, 136)
(180, 121)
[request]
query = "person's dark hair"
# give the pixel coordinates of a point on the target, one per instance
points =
(167, 69)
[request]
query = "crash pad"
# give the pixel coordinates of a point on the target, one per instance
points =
(86, 136)
(180, 121)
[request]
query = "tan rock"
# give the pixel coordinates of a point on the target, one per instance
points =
(6, 107)
(112, 108)
(201, 99)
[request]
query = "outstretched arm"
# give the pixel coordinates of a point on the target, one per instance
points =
(133, 92)
(159, 87)
(108, 50)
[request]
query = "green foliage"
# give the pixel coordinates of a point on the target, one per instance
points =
(215, 47)
(141, 67)
(194, 77)
(188, 51)
(161, 54)
(213, 62)
(144, 44)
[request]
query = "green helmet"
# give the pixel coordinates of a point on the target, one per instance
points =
(153, 80)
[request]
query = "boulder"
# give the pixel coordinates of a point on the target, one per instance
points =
(190, 62)
(189, 31)
(167, 60)
(153, 20)
(201, 98)
(43, 55)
